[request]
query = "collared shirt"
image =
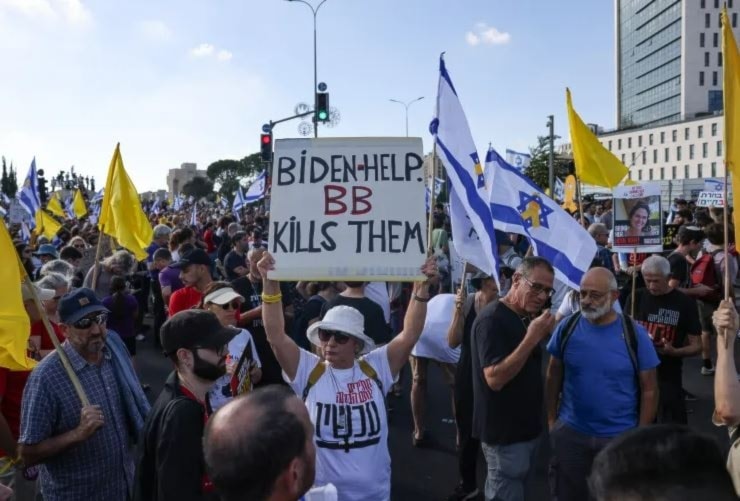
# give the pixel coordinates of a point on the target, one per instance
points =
(101, 467)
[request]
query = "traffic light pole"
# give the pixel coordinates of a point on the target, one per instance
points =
(300, 115)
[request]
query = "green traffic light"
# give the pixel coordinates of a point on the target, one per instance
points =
(323, 115)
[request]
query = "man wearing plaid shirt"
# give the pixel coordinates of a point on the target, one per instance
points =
(83, 451)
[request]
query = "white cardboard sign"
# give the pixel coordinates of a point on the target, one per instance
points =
(711, 199)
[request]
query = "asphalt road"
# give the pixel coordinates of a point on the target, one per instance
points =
(431, 473)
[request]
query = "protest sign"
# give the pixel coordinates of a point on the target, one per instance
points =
(637, 218)
(669, 236)
(711, 199)
(348, 209)
(17, 214)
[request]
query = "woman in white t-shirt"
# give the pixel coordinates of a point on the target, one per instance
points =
(243, 366)
(345, 396)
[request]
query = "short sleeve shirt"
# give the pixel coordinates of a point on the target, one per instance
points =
(233, 261)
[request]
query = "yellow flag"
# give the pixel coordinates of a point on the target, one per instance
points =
(78, 205)
(46, 225)
(595, 164)
(55, 206)
(15, 327)
(121, 215)
(731, 87)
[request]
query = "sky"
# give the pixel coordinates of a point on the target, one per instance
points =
(193, 80)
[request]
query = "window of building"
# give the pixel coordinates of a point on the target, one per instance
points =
(651, 174)
(665, 155)
(678, 153)
(719, 20)
(691, 152)
(704, 150)
(619, 144)
(686, 133)
(673, 172)
(639, 175)
(650, 139)
(700, 131)
(716, 4)
(729, 4)
(707, 20)
(706, 59)
(674, 135)
(734, 19)
(633, 158)
(714, 78)
(715, 100)
(703, 3)
(655, 156)
(701, 79)
(714, 129)
(622, 158)
(715, 40)
(644, 157)
(662, 173)
(719, 148)
(701, 39)
(714, 169)
(629, 142)
(699, 171)
(662, 138)
(610, 145)
(686, 171)
(639, 141)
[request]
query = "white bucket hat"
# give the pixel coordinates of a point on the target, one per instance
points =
(222, 296)
(346, 320)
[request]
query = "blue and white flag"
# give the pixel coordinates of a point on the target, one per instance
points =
(519, 206)
(25, 232)
(559, 194)
(177, 203)
(256, 190)
(194, 216)
(5, 198)
(438, 184)
(518, 160)
(224, 203)
(456, 149)
(191, 199)
(238, 201)
(156, 206)
(98, 197)
(28, 195)
(69, 208)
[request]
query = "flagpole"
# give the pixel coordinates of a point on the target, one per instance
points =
(431, 199)
(579, 189)
(97, 259)
(634, 285)
(52, 335)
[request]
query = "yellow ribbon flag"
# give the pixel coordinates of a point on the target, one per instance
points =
(731, 87)
(55, 206)
(46, 225)
(15, 327)
(121, 215)
(595, 164)
(78, 205)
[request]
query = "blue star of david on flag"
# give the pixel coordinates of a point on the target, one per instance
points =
(533, 211)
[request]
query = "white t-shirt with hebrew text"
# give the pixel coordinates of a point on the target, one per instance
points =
(351, 453)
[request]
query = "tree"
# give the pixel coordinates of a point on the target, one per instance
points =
(538, 170)
(12, 182)
(4, 179)
(199, 187)
(228, 173)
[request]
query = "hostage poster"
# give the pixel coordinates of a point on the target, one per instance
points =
(348, 209)
(637, 218)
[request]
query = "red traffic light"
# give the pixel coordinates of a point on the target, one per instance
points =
(266, 139)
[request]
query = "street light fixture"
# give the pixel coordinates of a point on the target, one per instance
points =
(406, 105)
(314, 11)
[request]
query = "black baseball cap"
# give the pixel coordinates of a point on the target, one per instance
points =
(78, 304)
(191, 329)
(194, 256)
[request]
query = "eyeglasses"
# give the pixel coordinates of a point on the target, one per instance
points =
(79, 246)
(87, 322)
(539, 288)
(220, 351)
(339, 337)
(234, 305)
(596, 296)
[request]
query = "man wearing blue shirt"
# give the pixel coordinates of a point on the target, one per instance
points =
(593, 390)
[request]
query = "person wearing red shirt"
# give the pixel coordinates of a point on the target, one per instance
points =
(208, 235)
(195, 273)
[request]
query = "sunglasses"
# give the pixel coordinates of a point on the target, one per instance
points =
(80, 246)
(339, 337)
(87, 322)
(234, 305)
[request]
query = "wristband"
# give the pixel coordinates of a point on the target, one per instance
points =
(271, 299)
(420, 299)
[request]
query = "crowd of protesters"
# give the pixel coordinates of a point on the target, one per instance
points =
(278, 388)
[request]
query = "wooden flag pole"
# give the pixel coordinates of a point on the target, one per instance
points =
(725, 222)
(634, 285)
(96, 268)
(579, 190)
(431, 200)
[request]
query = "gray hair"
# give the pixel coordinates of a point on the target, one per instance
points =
(53, 281)
(530, 263)
(122, 258)
(161, 231)
(656, 264)
(57, 266)
(597, 228)
(612, 282)
(232, 227)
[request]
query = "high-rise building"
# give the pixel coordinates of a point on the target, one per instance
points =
(669, 59)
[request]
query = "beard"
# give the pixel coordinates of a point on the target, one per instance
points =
(591, 314)
(206, 370)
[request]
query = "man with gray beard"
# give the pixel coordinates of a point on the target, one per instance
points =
(601, 381)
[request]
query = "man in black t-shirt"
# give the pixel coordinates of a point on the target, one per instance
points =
(689, 239)
(375, 325)
(507, 378)
(235, 262)
(672, 320)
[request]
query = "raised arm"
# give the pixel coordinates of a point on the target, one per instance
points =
(455, 332)
(400, 347)
(726, 385)
(286, 351)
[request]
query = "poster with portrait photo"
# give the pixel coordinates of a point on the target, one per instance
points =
(637, 218)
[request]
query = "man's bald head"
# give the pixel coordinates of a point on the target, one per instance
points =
(600, 278)
(261, 444)
(598, 293)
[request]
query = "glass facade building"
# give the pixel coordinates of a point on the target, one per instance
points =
(648, 62)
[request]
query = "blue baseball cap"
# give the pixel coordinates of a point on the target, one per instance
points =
(78, 304)
(47, 250)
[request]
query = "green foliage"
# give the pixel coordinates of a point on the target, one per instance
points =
(228, 174)
(198, 187)
(538, 170)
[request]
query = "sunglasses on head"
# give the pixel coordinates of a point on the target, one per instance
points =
(87, 322)
(339, 337)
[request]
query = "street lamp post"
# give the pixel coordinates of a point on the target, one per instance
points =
(315, 11)
(406, 105)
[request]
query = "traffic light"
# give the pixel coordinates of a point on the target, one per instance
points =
(322, 106)
(266, 147)
(43, 193)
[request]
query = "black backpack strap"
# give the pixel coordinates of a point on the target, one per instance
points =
(568, 328)
(629, 335)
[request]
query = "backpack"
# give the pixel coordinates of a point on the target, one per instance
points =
(320, 369)
(704, 271)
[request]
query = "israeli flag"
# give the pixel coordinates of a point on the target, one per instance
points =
(465, 239)
(256, 190)
(191, 199)
(98, 198)
(224, 203)
(559, 194)
(28, 195)
(25, 232)
(519, 160)
(69, 208)
(438, 184)
(457, 150)
(714, 184)
(156, 206)
(5, 198)
(239, 202)
(194, 216)
(177, 203)
(518, 206)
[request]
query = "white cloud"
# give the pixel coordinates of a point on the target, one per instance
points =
(71, 11)
(224, 55)
(487, 35)
(156, 31)
(203, 50)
